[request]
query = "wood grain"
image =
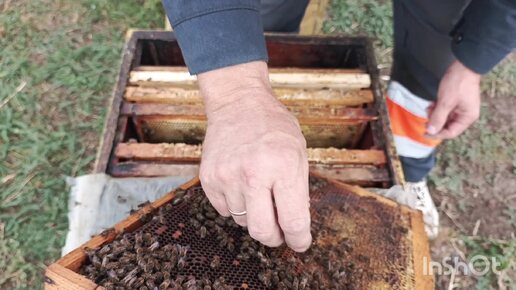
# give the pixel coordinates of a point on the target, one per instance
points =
(288, 96)
(279, 78)
(166, 152)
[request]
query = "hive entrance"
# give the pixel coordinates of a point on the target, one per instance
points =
(359, 243)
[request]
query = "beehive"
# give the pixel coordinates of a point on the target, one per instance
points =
(156, 124)
(380, 245)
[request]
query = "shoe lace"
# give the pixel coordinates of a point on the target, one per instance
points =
(420, 194)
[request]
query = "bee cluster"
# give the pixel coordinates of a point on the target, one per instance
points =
(146, 260)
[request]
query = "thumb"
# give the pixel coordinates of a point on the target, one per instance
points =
(438, 117)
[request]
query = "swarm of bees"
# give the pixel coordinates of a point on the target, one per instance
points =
(145, 260)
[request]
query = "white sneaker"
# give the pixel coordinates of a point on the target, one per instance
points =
(425, 204)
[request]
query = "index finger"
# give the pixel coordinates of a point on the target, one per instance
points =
(454, 128)
(293, 209)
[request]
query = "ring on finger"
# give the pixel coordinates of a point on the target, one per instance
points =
(242, 213)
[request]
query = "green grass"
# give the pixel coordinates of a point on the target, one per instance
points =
(64, 56)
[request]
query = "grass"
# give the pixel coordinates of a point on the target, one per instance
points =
(473, 171)
(57, 68)
(58, 63)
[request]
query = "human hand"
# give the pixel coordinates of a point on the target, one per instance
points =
(254, 156)
(458, 103)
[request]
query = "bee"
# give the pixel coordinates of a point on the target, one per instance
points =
(104, 250)
(138, 238)
(303, 283)
(179, 197)
(95, 260)
(183, 250)
(168, 207)
(195, 223)
(265, 277)
(220, 221)
(143, 288)
(150, 284)
(215, 262)
(105, 260)
(139, 282)
(154, 246)
(147, 239)
(120, 272)
(181, 263)
(130, 276)
(109, 285)
(165, 284)
(211, 214)
(161, 216)
(167, 266)
(112, 276)
(202, 232)
(200, 217)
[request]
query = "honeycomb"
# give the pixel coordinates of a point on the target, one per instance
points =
(359, 243)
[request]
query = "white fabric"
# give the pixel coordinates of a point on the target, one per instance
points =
(409, 148)
(404, 98)
(98, 201)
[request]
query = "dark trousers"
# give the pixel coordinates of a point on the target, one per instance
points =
(422, 49)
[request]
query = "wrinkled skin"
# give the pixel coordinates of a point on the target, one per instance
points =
(254, 156)
(458, 103)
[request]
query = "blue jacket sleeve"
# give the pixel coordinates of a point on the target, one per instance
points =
(217, 33)
(486, 34)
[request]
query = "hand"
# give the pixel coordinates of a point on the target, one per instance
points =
(254, 156)
(458, 103)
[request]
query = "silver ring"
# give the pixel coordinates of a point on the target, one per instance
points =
(237, 213)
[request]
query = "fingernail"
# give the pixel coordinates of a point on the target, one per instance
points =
(431, 130)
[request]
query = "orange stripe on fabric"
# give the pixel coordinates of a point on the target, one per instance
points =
(404, 123)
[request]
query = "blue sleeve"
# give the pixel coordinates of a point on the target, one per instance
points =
(217, 33)
(486, 34)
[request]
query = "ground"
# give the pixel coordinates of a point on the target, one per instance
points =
(58, 63)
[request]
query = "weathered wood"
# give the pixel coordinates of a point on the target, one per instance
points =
(359, 175)
(283, 78)
(58, 277)
(314, 18)
(288, 96)
(421, 253)
(166, 152)
(334, 114)
(145, 169)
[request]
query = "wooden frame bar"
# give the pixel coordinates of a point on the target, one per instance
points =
(288, 96)
(279, 78)
(358, 175)
(303, 112)
(166, 152)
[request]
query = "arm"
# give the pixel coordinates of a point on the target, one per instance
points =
(254, 155)
(484, 36)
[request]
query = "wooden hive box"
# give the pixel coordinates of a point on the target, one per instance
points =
(382, 245)
(156, 122)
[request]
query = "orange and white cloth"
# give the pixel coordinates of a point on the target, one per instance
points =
(408, 114)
